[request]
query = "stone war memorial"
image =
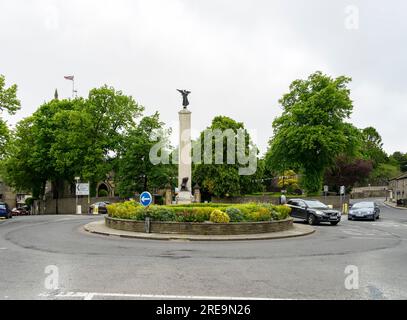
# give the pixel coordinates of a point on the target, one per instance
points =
(185, 162)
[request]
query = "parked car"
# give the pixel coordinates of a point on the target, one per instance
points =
(313, 211)
(22, 211)
(101, 207)
(5, 211)
(366, 210)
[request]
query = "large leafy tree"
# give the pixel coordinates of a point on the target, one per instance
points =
(223, 179)
(68, 138)
(29, 163)
(10, 104)
(135, 170)
(89, 136)
(312, 131)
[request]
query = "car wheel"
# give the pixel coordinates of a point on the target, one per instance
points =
(334, 223)
(349, 218)
(311, 220)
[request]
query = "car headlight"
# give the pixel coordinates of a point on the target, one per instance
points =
(319, 213)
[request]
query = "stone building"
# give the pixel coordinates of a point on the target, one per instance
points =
(398, 189)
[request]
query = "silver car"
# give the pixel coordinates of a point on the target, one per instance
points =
(367, 210)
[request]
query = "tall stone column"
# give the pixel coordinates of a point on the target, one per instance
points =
(185, 162)
(184, 167)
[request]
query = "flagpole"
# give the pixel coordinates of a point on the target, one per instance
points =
(73, 88)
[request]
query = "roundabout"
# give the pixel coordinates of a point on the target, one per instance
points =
(95, 266)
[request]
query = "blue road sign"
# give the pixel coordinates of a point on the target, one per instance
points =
(146, 198)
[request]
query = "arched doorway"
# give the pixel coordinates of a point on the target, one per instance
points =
(103, 190)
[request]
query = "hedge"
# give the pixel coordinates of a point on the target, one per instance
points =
(200, 212)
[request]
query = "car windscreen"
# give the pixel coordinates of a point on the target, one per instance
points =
(361, 205)
(316, 204)
(2, 206)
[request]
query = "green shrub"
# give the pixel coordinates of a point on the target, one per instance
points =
(158, 213)
(262, 214)
(198, 212)
(282, 212)
(234, 214)
(218, 216)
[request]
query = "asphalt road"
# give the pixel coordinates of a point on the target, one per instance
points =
(98, 267)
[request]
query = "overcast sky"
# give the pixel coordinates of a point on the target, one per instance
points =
(237, 57)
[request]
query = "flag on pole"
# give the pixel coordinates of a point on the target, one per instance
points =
(69, 77)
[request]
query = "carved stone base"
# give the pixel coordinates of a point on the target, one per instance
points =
(184, 197)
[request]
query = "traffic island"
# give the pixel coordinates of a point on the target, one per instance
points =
(296, 230)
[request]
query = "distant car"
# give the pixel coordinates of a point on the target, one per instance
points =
(366, 210)
(101, 207)
(5, 211)
(313, 211)
(22, 211)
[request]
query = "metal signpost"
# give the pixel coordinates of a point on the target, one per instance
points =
(145, 200)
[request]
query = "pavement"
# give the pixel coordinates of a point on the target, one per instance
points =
(35, 249)
(393, 205)
(99, 227)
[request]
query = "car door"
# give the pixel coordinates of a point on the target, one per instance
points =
(295, 208)
(302, 211)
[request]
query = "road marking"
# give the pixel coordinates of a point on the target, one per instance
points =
(91, 295)
(3, 248)
(359, 232)
(388, 224)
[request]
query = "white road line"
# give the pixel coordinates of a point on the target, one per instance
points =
(91, 295)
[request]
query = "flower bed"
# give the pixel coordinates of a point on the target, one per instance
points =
(216, 213)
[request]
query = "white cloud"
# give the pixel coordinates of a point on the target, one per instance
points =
(237, 57)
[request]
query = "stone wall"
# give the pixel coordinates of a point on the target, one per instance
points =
(195, 228)
(66, 205)
(335, 201)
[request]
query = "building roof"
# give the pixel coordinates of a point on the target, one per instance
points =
(401, 177)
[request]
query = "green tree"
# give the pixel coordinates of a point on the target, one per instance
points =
(312, 130)
(135, 170)
(399, 159)
(220, 178)
(372, 147)
(8, 97)
(10, 104)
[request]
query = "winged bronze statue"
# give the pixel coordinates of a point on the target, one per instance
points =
(185, 94)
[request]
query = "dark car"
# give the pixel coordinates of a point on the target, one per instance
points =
(313, 211)
(22, 211)
(366, 210)
(5, 211)
(101, 207)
